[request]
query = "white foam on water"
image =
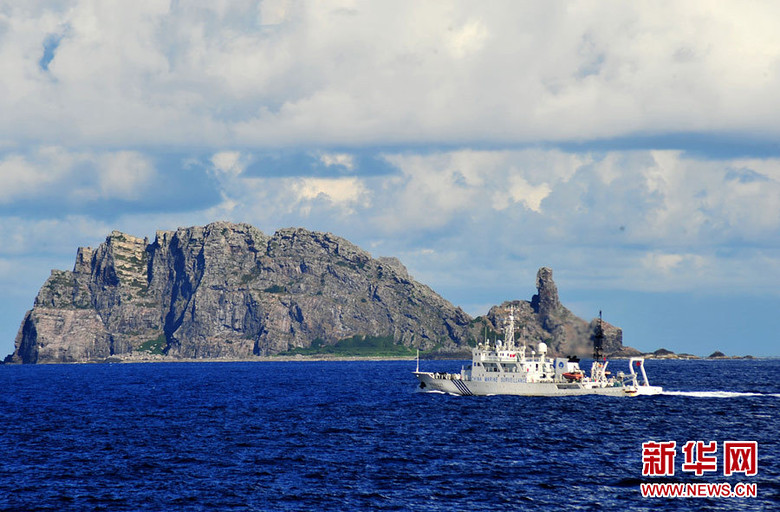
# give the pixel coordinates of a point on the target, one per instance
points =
(717, 394)
(432, 391)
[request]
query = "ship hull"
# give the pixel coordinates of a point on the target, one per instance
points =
(453, 384)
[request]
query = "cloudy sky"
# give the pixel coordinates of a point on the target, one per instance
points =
(631, 146)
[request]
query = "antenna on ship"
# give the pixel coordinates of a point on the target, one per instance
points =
(598, 340)
(509, 337)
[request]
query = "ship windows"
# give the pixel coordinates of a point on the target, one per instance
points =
(491, 367)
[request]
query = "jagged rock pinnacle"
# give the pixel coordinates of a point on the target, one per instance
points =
(545, 302)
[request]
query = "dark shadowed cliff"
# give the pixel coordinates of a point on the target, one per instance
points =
(229, 291)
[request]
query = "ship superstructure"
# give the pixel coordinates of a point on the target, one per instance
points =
(504, 368)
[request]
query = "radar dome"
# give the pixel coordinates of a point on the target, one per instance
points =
(542, 347)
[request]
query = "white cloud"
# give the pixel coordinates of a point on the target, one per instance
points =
(344, 160)
(269, 201)
(220, 74)
(341, 191)
(123, 174)
(671, 263)
(274, 12)
(55, 171)
(430, 190)
(468, 39)
(230, 162)
(520, 191)
(22, 178)
(699, 203)
(434, 189)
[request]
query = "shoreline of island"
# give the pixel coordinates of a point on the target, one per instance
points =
(159, 358)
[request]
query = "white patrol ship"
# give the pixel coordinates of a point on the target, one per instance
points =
(501, 368)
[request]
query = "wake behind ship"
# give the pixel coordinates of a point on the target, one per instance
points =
(502, 368)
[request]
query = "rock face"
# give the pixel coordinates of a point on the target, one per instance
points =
(544, 318)
(228, 290)
(546, 303)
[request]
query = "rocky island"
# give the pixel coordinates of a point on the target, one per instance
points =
(229, 291)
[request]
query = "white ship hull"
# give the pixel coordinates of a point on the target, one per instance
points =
(501, 368)
(453, 384)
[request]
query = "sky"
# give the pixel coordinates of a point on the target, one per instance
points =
(633, 147)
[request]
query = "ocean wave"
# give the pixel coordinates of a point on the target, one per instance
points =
(718, 394)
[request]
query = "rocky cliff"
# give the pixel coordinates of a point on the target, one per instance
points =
(544, 318)
(228, 290)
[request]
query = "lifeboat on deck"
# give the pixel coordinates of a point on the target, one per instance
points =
(573, 376)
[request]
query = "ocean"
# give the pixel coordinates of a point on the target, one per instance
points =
(356, 436)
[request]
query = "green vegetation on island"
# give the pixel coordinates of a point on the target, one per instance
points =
(155, 346)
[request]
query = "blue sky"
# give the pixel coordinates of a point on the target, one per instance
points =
(630, 146)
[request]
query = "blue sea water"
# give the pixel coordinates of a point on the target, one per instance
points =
(356, 436)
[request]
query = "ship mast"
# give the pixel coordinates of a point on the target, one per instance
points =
(509, 329)
(598, 340)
